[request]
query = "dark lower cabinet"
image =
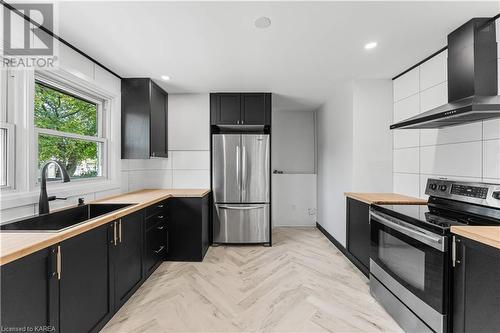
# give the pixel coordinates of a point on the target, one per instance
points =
(155, 248)
(77, 285)
(188, 234)
(127, 256)
(30, 292)
(358, 233)
(476, 288)
(86, 286)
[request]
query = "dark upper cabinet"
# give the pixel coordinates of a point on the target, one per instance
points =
(144, 119)
(127, 256)
(240, 108)
(30, 291)
(358, 233)
(476, 287)
(228, 109)
(86, 284)
(255, 109)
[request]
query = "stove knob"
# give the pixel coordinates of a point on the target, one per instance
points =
(433, 187)
(496, 195)
(443, 188)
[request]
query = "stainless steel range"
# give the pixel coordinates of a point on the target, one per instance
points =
(411, 251)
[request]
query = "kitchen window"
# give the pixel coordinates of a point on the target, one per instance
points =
(6, 137)
(69, 128)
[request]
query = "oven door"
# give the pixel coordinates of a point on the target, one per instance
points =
(411, 262)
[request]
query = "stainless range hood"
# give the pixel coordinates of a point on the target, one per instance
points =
(472, 79)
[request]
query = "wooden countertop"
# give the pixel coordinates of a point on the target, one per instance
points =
(489, 235)
(15, 245)
(385, 198)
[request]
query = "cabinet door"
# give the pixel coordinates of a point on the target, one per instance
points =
(358, 219)
(158, 122)
(127, 258)
(476, 301)
(86, 300)
(255, 109)
(228, 109)
(30, 291)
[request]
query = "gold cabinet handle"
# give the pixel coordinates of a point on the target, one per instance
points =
(58, 262)
(114, 233)
(120, 231)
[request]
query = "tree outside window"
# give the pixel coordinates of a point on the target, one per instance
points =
(68, 128)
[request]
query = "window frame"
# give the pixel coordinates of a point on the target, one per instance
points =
(10, 128)
(101, 137)
(10, 154)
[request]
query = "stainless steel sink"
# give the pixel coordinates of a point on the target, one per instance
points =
(57, 221)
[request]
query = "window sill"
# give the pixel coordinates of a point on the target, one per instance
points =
(12, 199)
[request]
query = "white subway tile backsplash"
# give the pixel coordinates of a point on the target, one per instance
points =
(491, 159)
(434, 71)
(461, 159)
(191, 179)
(406, 85)
(406, 108)
(406, 138)
(150, 164)
(470, 152)
(406, 184)
(454, 134)
(406, 160)
(434, 97)
(191, 160)
(140, 179)
(491, 129)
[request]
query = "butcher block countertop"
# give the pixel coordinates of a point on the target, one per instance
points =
(489, 235)
(15, 245)
(385, 198)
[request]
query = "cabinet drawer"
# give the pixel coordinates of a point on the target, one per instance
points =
(160, 217)
(157, 208)
(156, 246)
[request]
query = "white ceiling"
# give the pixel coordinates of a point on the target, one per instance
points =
(309, 48)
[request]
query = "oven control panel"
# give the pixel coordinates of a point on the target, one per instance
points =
(469, 191)
(485, 194)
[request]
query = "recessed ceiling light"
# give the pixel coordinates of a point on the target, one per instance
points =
(165, 77)
(263, 22)
(370, 45)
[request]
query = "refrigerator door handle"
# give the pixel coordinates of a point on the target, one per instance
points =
(238, 175)
(242, 207)
(244, 169)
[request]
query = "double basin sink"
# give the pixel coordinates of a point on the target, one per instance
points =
(62, 219)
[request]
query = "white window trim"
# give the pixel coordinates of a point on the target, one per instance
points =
(11, 154)
(102, 120)
(20, 112)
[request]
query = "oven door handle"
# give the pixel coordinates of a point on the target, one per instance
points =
(436, 242)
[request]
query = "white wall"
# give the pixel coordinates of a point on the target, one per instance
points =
(294, 152)
(188, 162)
(334, 161)
(354, 148)
(22, 201)
(372, 139)
(469, 152)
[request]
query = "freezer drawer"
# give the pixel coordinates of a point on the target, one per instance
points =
(241, 223)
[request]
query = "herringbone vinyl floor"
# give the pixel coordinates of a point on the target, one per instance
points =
(301, 284)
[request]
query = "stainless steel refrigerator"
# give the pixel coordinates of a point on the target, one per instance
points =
(241, 188)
